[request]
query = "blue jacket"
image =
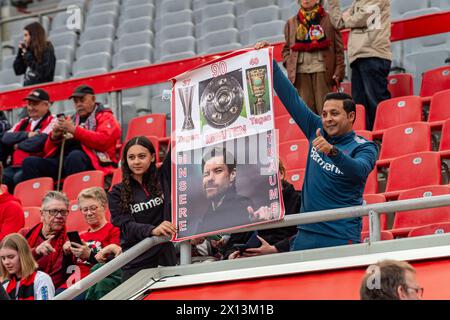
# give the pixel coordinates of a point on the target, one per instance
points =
(330, 182)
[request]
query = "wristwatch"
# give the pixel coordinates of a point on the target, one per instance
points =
(333, 152)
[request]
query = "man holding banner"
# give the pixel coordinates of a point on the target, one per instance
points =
(339, 163)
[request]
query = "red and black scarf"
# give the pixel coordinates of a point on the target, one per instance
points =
(26, 288)
(310, 35)
(57, 244)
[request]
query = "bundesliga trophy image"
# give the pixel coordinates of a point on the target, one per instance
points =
(256, 78)
(186, 94)
(222, 101)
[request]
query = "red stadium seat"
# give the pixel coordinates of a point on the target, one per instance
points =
(404, 221)
(347, 87)
(148, 125)
(74, 183)
(288, 129)
(117, 177)
(75, 219)
(400, 85)
(4, 188)
(372, 182)
(404, 139)
(365, 134)
(31, 192)
(393, 112)
(371, 199)
(278, 107)
(439, 108)
(296, 177)
(32, 216)
(444, 146)
(413, 171)
(385, 235)
(360, 121)
(294, 154)
(435, 80)
(435, 228)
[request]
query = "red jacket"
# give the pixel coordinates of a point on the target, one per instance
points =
(12, 218)
(18, 135)
(103, 139)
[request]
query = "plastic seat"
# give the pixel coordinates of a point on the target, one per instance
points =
(74, 183)
(384, 236)
(75, 220)
(138, 11)
(435, 228)
(400, 85)
(197, 4)
(66, 53)
(290, 10)
(176, 46)
(134, 25)
(179, 30)
(258, 15)
(97, 33)
(366, 134)
(169, 19)
(242, 6)
(31, 192)
(104, 7)
(360, 121)
(222, 22)
(148, 125)
(132, 3)
(101, 19)
(64, 39)
(214, 10)
(399, 7)
(136, 38)
(278, 107)
(288, 129)
(444, 145)
(94, 46)
(413, 171)
(296, 178)
(218, 38)
(169, 6)
(117, 177)
(371, 199)
(443, 4)
(294, 154)
(372, 182)
(32, 216)
(93, 64)
(404, 139)
(439, 108)
(139, 53)
(393, 112)
(404, 221)
(272, 32)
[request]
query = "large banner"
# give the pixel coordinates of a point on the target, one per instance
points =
(225, 168)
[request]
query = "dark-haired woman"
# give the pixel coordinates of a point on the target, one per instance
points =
(140, 205)
(35, 57)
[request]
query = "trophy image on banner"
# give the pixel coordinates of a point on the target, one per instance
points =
(222, 100)
(186, 94)
(256, 77)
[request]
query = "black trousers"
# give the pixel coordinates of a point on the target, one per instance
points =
(370, 85)
(74, 162)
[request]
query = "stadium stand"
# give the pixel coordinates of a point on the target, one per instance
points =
(32, 191)
(74, 183)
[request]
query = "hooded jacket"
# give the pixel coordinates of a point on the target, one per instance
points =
(12, 218)
(104, 139)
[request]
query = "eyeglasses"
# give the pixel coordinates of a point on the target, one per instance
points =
(92, 209)
(55, 212)
(418, 290)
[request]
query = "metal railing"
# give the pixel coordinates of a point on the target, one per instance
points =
(371, 210)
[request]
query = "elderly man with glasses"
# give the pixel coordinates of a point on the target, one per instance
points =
(47, 238)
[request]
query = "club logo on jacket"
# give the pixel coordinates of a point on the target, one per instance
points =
(143, 206)
(324, 165)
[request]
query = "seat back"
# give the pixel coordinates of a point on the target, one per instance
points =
(439, 106)
(148, 125)
(435, 228)
(74, 183)
(296, 178)
(404, 139)
(294, 154)
(416, 218)
(32, 216)
(360, 121)
(372, 182)
(435, 80)
(75, 220)
(414, 170)
(288, 129)
(31, 192)
(400, 85)
(445, 136)
(396, 111)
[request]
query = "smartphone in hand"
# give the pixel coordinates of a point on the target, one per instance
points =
(74, 237)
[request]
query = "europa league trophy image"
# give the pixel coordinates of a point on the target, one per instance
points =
(222, 101)
(256, 78)
(186, 94)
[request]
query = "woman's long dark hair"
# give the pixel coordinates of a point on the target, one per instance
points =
(38, 40)
(149, 180)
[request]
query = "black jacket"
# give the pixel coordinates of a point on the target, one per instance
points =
(35, 72)
(146, 213)
(277, 237)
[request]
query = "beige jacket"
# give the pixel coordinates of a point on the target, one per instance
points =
(370, 27)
